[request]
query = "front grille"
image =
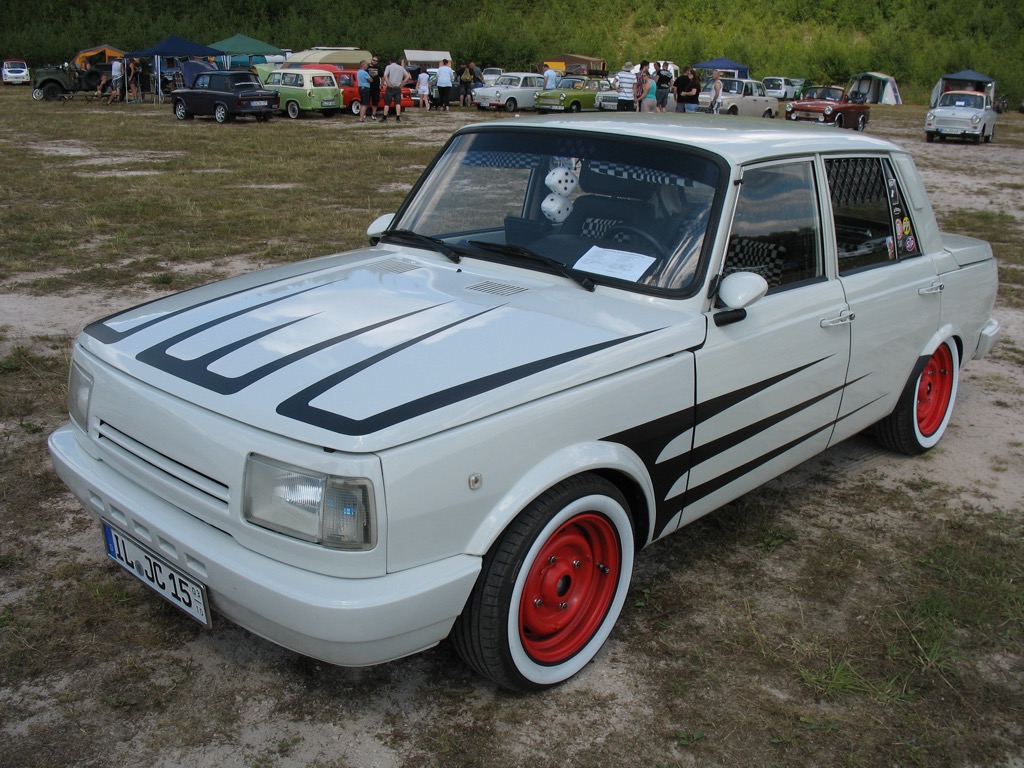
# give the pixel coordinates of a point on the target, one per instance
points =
(959, 123)
(131, 452)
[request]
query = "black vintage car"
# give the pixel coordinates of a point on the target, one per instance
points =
(225, 94)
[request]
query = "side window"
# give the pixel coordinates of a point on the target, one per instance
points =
(873, 225)
(776, 231)
(274, 79)
(203, 81)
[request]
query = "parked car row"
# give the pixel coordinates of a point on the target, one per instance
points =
(292, 91)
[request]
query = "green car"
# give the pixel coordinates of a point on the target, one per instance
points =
(305, 90)
(575, 93)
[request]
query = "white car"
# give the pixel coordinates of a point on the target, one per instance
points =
(15, 72)
(746, 98)
(511, 92)
(576, 335)
(779, 87)
(491, 74)
(964, 115)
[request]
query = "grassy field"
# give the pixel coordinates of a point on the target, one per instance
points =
(862, 610)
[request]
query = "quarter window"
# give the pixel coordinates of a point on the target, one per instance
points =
(776, 231)
(873, 224)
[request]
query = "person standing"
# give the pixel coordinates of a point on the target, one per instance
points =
(550, 79)
(716, 92)
(363, 81)
(423, 89)
(640, 88)
(116, 81)
(663, 78)
(625, 82)
(375, 76)
(395, 76)
(466, 86)
(445, 78)
(686, 89)
(649, 100)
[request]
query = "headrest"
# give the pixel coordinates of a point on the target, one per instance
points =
(602, 179)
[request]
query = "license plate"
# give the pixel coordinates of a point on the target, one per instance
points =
(177, 588)
(954, 131)
(327, 103)
(257, 103)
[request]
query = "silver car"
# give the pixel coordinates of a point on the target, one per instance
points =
(747, 98)
(963, 114)
(511, 91)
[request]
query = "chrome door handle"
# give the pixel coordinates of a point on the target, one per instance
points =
(845, 317)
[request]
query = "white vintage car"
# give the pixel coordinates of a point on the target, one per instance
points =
(961, 115)
(510, 92)
(575, 336)
(745, 98)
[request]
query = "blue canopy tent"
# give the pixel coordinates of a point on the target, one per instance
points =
(172, 46)
(726, 66)
(965, 80)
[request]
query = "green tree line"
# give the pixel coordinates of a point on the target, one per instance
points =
(917, 41)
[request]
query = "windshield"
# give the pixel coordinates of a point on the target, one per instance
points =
(825, 94)
(622, 212)
(969, 100)
(507, 80)
(772, 82)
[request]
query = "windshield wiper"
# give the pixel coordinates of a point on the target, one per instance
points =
(434, 243)
(518, 250)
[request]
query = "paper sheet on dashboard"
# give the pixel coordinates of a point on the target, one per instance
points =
(609, 262)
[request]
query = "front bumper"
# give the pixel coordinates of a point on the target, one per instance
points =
(345, 621)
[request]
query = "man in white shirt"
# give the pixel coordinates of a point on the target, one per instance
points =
(445, 78)
(116, 81)
(550, 79)
(626, 82)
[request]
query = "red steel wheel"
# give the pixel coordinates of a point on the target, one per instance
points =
(934, 391)
(923, 411)
(569, 588)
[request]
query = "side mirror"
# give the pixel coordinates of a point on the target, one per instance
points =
(381, 223)
(741, 289)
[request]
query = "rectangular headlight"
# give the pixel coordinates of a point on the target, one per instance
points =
(79, 393)
(336, 512)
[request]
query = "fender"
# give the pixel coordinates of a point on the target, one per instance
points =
(551, 470)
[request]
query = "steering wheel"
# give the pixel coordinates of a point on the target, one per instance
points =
(628, 229)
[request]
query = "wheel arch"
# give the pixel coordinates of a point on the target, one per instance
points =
(947, 331)
(612, 461)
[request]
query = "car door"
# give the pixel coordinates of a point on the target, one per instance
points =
(769, 385)
(892, 287)
(202, 95)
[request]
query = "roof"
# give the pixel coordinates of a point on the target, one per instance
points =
(244, 45)
(969, 75)
(737, 140)
(173, 45)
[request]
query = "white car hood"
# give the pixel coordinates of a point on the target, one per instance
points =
(371, 349)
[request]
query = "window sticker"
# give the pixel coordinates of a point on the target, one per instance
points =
(609, 262)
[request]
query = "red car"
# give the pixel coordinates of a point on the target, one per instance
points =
(348, 83)
(829, 105)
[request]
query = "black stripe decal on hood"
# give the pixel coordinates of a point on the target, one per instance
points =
(197, 370)
(107, 335)
(299, 406)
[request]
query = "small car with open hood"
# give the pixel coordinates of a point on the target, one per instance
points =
(575, 336)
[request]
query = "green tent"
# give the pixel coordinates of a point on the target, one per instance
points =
(247, 46)
(243, 51)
